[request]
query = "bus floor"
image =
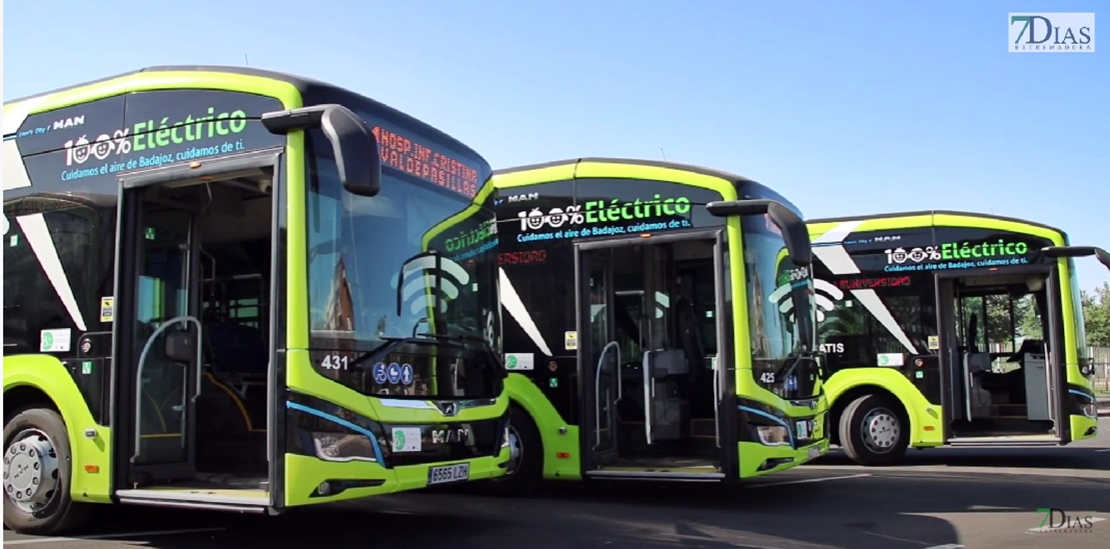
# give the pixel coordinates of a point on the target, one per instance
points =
(694, 453)
(218, 481)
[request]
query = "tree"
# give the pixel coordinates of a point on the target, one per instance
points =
(1004, 328)
(1096, 315)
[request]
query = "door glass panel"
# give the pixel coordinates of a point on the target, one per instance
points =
(658, 297)
(603, 357)
(162, 295)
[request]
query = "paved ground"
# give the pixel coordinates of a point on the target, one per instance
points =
(941, 499)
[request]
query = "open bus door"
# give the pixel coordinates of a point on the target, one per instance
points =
(1006, 396)
(159, 335)
(599, 353)
(654, 394)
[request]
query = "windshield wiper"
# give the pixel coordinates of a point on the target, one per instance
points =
(386, 341)
(455, 337)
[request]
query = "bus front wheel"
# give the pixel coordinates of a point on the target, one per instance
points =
(874, 430)
(525, 469)
(37, 465)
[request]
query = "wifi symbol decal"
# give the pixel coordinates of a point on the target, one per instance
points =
(824, 304)
(420, 277)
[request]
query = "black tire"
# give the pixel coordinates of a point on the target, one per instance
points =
(528, 473)
(874, 431)
(58, 512)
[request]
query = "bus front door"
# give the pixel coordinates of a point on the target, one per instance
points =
(600, 354)
(158, 336)
(648, 321)
(1000, 377)
(951, 335)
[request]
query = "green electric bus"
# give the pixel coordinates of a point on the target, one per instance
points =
(658, 279)
(237, 289)
(950, 328)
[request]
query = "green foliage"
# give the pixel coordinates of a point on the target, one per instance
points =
(1003, 325)
(1096, 314)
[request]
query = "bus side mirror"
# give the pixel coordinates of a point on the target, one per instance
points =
(355, 148)
(1078, 251)
(794, 231)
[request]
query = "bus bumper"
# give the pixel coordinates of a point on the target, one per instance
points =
(310, 481)
(771, 440)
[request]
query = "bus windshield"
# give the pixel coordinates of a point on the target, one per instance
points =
(408, 263)
(781, 313)
(359, 247)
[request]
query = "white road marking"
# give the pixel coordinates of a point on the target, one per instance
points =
(947, 546)
(808, 480)
(1046, 528)
(1103, 450)
(112, 536)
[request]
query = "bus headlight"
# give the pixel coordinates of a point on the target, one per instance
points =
(333, 446)
(773, 435)
(1090, 409)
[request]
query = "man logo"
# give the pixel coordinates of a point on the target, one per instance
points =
(437, 279)
(781, 297)
(448, 409)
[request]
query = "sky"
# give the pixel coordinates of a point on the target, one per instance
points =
(845, 108)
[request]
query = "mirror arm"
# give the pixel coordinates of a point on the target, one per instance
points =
(1078, 251)
(354, 146)
(794, 231)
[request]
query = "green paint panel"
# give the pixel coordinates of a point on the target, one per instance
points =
(48, 375)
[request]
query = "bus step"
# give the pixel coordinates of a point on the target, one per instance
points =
(1013, 440)
(241, 501)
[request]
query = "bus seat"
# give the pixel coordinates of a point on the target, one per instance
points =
(236, 350)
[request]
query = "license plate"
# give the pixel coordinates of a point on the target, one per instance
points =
(804, 429)
(814, 452)
(448, 473)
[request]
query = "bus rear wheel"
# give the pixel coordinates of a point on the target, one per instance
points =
(37, 465)
(525, 469)
(874, 431)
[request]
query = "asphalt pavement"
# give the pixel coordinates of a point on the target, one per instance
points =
(940, 499)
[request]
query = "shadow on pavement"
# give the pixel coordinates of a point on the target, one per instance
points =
(859, 513)
(1069, 457)
(611, 515)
